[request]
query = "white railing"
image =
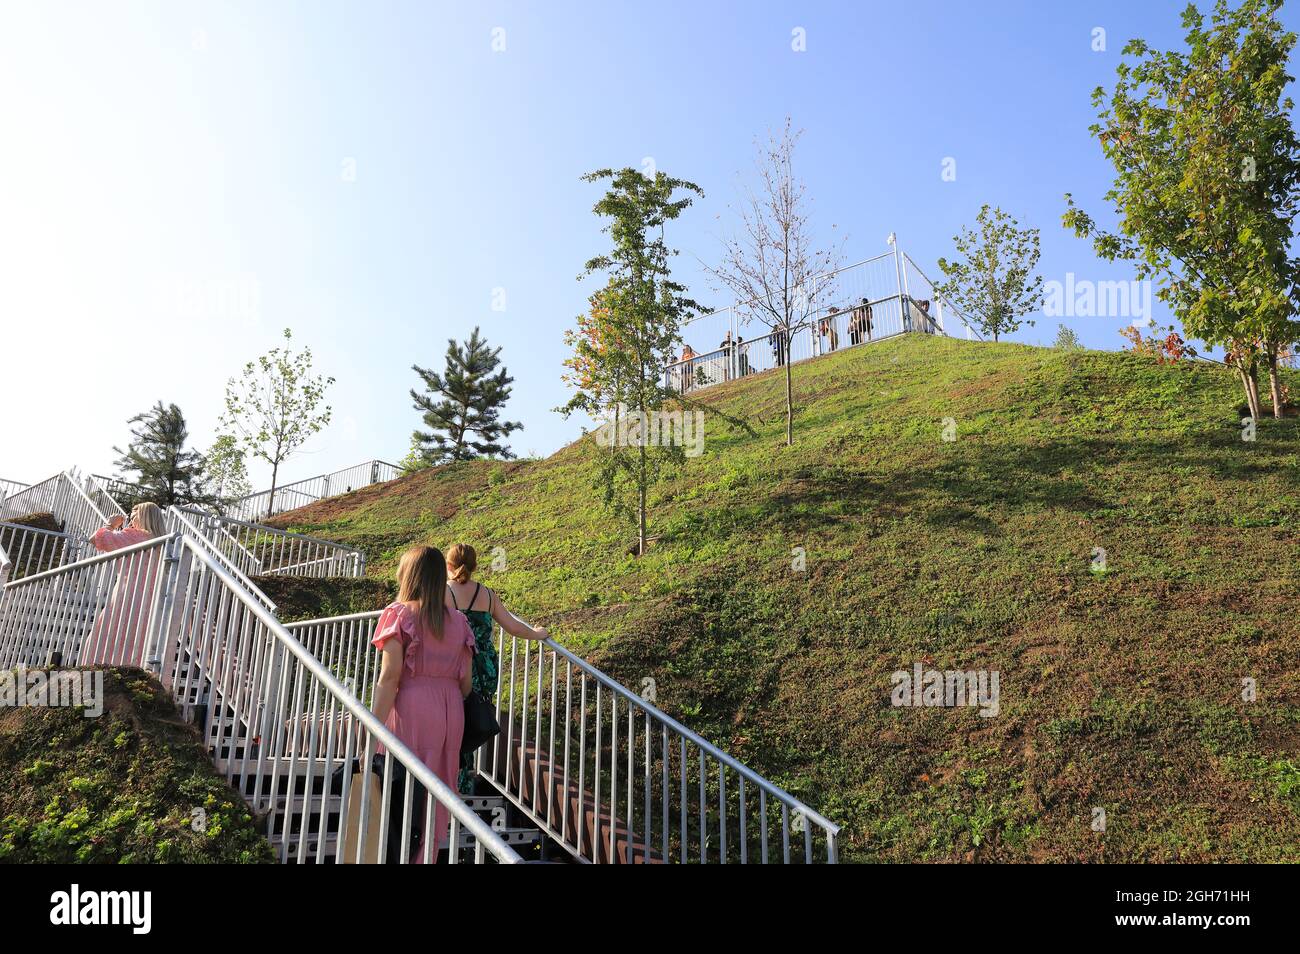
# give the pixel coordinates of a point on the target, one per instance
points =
(281, 727)
(8, 487)
(104, 502)
(650, 789)
(193, 524)
(34, 550)
(64, 497)
(5, 567)
(259, 550)
(868, 301)
(119, 490)
(302, 492)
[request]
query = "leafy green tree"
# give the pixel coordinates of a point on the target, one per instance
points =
(414, 460)
(276, 406)
(156, 459)
(1206, 188)
(227, 472)
(1066, 339)
(993, 281)
(462, 406)
(638, 315)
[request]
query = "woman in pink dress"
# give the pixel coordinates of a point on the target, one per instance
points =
(425, 674)
(122, 626)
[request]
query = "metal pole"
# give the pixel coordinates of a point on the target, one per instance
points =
(902, 290)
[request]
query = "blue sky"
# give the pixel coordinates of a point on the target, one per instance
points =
(182, 181)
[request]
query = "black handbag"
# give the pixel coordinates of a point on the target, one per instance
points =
(480, 722)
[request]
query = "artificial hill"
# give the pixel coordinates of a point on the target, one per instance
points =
(1121, 688)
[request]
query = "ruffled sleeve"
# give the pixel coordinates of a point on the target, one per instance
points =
(398, 621)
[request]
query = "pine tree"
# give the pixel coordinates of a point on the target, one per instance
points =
(464, 403)
(156, 455)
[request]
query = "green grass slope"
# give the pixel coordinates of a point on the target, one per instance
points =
(133, 784)
(1120, 690)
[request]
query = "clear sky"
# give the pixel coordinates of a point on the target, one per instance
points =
(179, 182)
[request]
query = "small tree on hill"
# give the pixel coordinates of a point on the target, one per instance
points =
(772, 265)
(1207, 183)
(276, 406)
(227, 474)
(993, 281)
(462, 406)
(156, 459)
(626, 342)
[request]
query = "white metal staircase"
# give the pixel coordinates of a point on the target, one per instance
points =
(584, 770)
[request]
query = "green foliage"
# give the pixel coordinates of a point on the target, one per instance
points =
(642, 310)
(158, 463)
(1207, 179)
(462, 406)
(414, 461)
(993, 282)
(227, 474)
(277, 405)
(119, 788)
(1066, 339)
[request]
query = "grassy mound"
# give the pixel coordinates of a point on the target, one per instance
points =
(297, 597)
(41, 521)
(1121, 689)
(133, 784)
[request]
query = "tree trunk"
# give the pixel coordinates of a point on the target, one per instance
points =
(1274, 383)
(1250, 385)
(641, 514)
(270, 501)
(789, 399)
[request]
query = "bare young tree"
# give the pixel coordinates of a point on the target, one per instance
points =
(771, 264)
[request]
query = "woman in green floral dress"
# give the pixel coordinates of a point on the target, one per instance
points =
(481, 606)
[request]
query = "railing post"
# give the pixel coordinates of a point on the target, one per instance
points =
(902, 290)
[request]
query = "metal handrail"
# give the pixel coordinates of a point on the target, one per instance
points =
(712, 750)
(179, 518)
(816, 278)
(342, 642)
(98, 489)
(213, 645)
(379, 469)
(270, 551)
(394, 746)
(62, 496)
(605, 827)
(8, 487)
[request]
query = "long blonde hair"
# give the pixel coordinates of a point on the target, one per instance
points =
(149, 518)
(461, 562)
(422, 578)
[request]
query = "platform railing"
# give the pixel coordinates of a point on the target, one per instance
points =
(300, 493)
(602, 770)
(9, 487)
(292, 737)
(870, 300)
